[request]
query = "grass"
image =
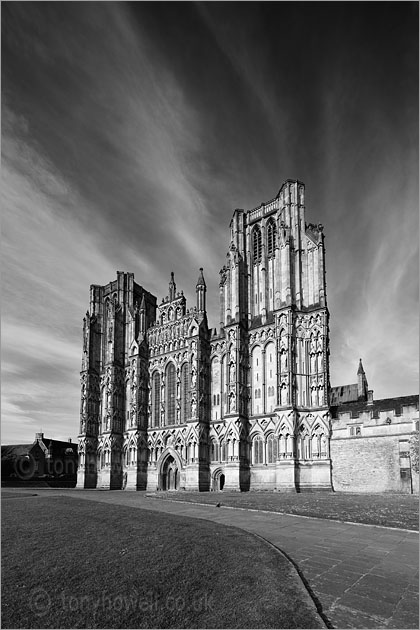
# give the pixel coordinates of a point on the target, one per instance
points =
(391, 510)
(72, 563)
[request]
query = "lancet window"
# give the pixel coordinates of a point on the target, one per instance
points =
(271, 239)
(257, 244)
(170, 394)
(156, 399)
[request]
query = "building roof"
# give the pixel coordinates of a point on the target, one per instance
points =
(9, 450)
(56, 445)
(385, 404)
(344, 394)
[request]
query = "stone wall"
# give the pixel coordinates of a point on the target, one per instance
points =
(368, 464)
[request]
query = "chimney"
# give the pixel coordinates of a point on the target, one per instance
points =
(69, 440)
(370, 397)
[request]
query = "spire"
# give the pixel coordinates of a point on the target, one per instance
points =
(201, 292)
(172, 287)
(201, 282)
(362, 384)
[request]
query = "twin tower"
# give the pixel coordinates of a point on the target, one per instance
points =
(168, 403)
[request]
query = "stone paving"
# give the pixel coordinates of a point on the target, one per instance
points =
(359, 576)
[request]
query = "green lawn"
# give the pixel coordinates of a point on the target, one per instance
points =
(392, 510)
(72, 563)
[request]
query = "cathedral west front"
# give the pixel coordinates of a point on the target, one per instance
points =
(170, 403)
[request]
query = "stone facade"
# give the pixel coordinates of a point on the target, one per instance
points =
(371, 439)
(169, 403)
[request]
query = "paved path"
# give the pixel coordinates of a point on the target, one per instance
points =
(360, 576)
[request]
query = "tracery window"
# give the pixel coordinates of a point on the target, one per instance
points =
(170, 394)
(257, 244)
(271, 239)
(156, 400)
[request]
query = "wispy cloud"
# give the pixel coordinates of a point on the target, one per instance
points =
(131, 132)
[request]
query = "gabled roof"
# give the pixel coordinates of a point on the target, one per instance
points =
(57, 444)
(343, 394)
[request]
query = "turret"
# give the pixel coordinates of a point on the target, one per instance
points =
(201, 292)
(142, 316)
(172, 288)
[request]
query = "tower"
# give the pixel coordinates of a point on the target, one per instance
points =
(114, 377)
(179, 393)
(274, 340)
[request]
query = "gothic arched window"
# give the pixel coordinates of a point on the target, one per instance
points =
(170, 394)
(258, 450)
(156, 400)
(271, 449)
(257, 246)
(184, 392)
(271, 239)
(214, 451)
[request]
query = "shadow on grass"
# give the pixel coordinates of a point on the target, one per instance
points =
(68, 563)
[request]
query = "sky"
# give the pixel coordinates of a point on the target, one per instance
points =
(131, 132)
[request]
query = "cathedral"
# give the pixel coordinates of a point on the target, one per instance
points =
(169, 403)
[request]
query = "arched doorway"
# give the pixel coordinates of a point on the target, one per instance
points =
(169, 477)
(221, 481)
(218, 480)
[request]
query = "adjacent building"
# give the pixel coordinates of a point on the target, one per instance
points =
(45, 461)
